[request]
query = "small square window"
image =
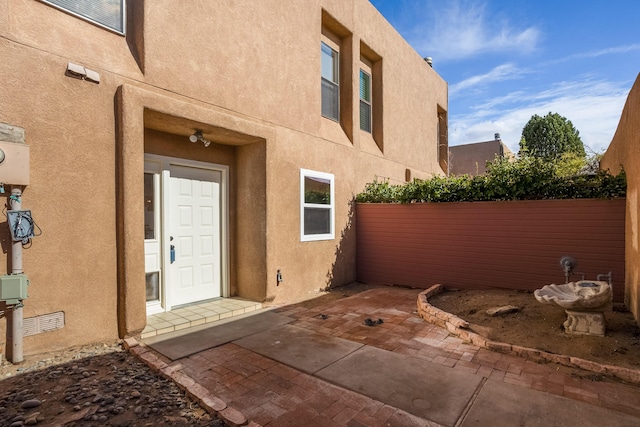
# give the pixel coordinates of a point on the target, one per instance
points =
(316, 205)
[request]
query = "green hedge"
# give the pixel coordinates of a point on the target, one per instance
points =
(528, 178)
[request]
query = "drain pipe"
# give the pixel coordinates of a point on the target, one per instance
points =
(14, 328)
(610, 277)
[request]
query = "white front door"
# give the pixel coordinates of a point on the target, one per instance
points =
(185, 232)
(194, 230)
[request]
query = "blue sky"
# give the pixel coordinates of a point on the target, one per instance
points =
(506, 60)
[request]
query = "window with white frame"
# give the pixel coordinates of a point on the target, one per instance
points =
(109, 14)
(316, 205)
(330, 82)
(365, 101)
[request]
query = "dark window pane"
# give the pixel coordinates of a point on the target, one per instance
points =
(365, 116)
(365, 86)
(317, 221)
(317, 190)
(153, 286)
(149, 207)
(330, 100)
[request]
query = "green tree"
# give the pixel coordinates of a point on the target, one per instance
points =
(550, 137)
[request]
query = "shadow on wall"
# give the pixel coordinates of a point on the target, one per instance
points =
(343, 270)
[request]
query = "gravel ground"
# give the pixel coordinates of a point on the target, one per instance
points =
(96, 385)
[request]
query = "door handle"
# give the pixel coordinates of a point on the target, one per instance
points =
(172, 253)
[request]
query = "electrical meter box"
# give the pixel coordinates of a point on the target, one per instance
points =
(14, 163)
(20, 225)
(13, 288)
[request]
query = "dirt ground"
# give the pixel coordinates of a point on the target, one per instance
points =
(539, 326)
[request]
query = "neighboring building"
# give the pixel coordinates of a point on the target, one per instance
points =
(471, 159)
(293, 107)
(624, 153)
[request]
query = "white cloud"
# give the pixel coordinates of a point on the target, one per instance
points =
(602, 52)
(594, 108)
(498, 74)
(461, 29)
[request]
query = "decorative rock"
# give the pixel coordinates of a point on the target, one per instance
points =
(33, 419)
(584, 323)
(232, 417)
(505, 309)
(31, 403)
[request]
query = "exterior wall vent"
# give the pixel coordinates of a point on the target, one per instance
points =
(43, 323)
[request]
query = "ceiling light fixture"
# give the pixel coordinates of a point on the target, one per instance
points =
(197, 136)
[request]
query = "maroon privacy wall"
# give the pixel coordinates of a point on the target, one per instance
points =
(475, 245)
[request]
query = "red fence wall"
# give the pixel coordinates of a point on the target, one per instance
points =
(515, 245)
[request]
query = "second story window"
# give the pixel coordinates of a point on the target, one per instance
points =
(109, 14)
(365, 101)
(330, 82)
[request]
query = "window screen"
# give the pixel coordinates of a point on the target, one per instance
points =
(106, 13)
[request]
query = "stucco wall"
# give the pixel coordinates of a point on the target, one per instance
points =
(246, 73)
(624, 152)
(72, 265)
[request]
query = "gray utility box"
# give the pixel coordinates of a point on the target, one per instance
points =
(13, 288)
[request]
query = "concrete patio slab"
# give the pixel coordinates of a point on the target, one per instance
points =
(500, 403)
(421, 388)
(177, 345)
(300, 348)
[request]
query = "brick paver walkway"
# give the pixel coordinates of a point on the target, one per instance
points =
(269, 393)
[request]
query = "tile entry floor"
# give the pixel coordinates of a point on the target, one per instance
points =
(197, 314)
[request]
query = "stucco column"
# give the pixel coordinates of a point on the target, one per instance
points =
(130, 215)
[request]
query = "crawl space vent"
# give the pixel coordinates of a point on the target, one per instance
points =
(44, 323)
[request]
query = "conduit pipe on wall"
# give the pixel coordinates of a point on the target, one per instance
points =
(14, 329)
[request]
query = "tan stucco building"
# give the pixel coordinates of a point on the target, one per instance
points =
(293, 107)
(471, 159)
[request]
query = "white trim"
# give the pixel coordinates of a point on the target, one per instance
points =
(155, 168)
(162, 164)
(154, 307)
(164, 232)
(331, 206)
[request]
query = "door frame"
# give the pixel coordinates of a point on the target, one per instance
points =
(160, 165)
